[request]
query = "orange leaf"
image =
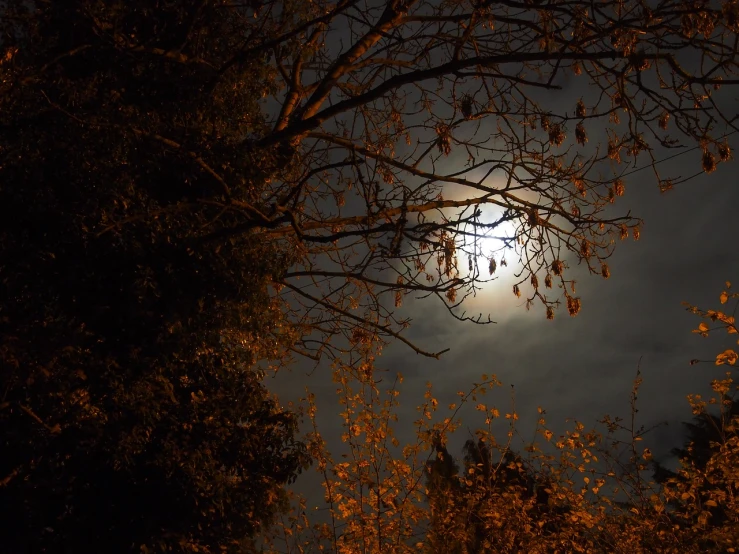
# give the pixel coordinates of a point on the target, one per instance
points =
(727, 357)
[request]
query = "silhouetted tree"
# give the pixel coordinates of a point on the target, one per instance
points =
(132, 414)
(443, 486)
(702, 433)
(494, 485)
(705, 434)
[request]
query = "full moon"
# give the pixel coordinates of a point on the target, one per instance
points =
(492, 238)
(495, 237)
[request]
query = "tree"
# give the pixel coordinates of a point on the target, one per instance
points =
(583, 491)
(443, 486)
(705, 430)
(703, 488)
(356, 162)
(132, 413)
(436, 124)
(708, 434)
(189, 190)
(462, 505)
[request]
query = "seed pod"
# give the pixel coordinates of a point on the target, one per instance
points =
(466, 107)
(534, 281)
(516, 291)
(557, 267)
(548, 281)
(664, 118)
(614, 151)
(550, 312)
(493, 266)
(556, 135)
(605, 271)
(573, 305)
(620, 101)
(618, 187)
(724, 152)
(545, 122)
(708, 162)
(585, 249)
(580, 109)
(444, 142)
(580, 186)
(580, 135)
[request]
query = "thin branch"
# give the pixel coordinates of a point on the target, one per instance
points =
(53, 430)
(200, 161)
(382, 328)
(9, 477)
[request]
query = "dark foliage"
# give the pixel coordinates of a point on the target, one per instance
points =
(705, 434)
(701, 435)
(132, 414)
(484, 481)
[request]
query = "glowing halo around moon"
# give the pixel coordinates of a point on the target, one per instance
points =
(494, 293)
(498, 239)
(492, 237)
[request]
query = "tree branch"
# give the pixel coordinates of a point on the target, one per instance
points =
(382, 328)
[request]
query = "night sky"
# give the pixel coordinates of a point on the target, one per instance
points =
(581, 367)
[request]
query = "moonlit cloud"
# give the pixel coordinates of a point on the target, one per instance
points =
(581, 367)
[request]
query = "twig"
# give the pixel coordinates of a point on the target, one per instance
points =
(382, 328)
(29, 411)
(9, 477)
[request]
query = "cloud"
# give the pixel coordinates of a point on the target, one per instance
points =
(583, 367)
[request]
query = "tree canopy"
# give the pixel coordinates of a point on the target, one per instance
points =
(194, 193)
(132, 412)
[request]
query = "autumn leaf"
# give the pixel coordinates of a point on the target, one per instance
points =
(727, 357)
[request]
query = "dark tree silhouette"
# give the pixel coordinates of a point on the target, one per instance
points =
(491, 479)
(704, 435)
(132, 414)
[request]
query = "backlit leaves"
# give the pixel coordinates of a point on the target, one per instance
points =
(726, 357)
(492, 496)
